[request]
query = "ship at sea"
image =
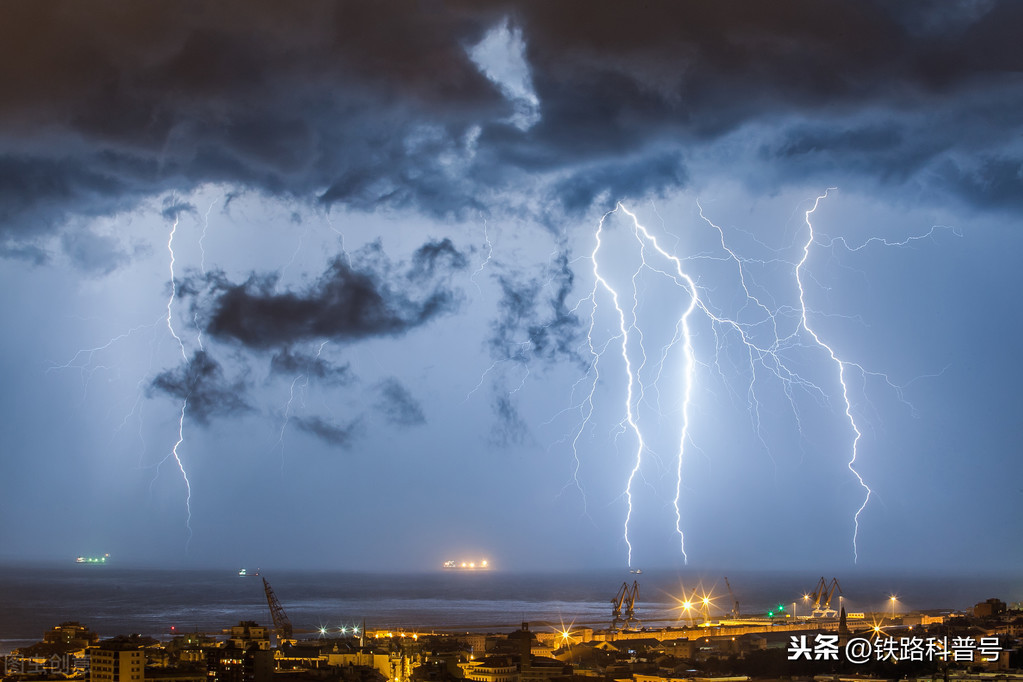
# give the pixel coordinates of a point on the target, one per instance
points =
(244, 573)
(481, 565)
(92, 559)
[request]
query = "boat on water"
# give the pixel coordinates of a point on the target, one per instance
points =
(92, 559)
(481, 565)
(244, 573)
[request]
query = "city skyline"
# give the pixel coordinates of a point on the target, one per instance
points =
(558, 287)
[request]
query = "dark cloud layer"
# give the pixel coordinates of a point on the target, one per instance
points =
(348, 302)
(398, 405)
(534, 319)
(325, 430)
(295, 362)
(111, 103)
(201, 382)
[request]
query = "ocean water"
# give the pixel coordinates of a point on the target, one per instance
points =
(113, 600)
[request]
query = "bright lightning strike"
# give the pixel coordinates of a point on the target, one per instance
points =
(766, 331)
(181, 467)
(174, 289)
(601, 283)
(184, 403)
(841, 365)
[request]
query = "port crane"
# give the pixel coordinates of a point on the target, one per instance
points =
(822, 596)
(282, 625)
(735, 602)
(625, 599)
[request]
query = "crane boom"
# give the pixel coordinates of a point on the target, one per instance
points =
(735, 602)
(281, 623)
(625, 599)
(822, 596)
(630, 606)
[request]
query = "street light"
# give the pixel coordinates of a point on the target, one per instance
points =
(687, 606)
(892, 598)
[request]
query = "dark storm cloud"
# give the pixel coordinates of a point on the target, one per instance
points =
(534, 317)
(511, 428)
(992, 181)
(173, 208)
(398, 405)
(348, 302)
(119, 101)
(202, 384)
(613, 179)
(433, 255)
(327, 431)
(295, 362)
(110, 103)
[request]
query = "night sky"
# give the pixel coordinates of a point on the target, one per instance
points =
(356, 268)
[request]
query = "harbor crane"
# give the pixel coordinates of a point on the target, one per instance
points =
(822, 596)
(282, 625)
(625, 600)
(735, 602)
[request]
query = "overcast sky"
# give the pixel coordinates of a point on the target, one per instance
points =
(337, 287)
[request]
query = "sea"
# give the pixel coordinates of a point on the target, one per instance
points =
(113, 600)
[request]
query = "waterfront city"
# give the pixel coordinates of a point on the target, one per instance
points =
(707, 635)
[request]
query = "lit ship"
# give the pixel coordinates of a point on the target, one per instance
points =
(482, 565)
(92, 559)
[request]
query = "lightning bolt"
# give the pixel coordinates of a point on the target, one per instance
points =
(174, 288)
(184, 403)
(841, 365)
(291, 399)
(202, 237)
(340, 238)
(486, 261)
(757, 326)
(683, 335)
(82, 360)
(287, 413)
(623, 335)
(202, 268)
(184, 474)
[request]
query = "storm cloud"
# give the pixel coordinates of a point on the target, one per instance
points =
(307, 103)
(292, 362)
(534, 320)
(348, 302)
(398, 405)
(201, 383)
(325, 430)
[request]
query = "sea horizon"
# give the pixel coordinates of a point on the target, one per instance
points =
(160, 602)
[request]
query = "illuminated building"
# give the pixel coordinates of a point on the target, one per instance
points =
(491, 669)
(116, 661)
(248, 633)
(234, 664)
(70, 636)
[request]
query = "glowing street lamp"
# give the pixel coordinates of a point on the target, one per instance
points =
(892, 598)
